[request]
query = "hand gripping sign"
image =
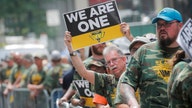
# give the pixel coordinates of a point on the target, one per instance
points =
(84, 89)
(93, 25)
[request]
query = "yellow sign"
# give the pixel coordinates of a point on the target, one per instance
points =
(93, 25)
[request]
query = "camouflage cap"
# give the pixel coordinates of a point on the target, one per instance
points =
(96, 63)
(138, 39)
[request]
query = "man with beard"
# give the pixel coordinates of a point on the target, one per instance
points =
(96, 51)
(149, 69)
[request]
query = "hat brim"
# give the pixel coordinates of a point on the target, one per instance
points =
(95, 65)
(132, 44)
(161, 17)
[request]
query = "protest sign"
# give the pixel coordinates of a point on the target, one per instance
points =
(185, 37)
(84, 89)
(93, 25)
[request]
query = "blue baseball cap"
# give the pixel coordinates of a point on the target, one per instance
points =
(168, 14)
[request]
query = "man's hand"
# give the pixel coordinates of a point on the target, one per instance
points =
(125, 29)
(68, 40)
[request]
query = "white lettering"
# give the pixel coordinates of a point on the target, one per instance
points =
(110, 7)
(102, 9)
(93, 12)
(72, 17)
(99, 22)
(88, 92)
(104, 21)
(83, 26)
(86, 84)
(94, 23)
(82, 15)
(80, 84)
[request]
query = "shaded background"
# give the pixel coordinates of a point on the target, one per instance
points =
(41, 21)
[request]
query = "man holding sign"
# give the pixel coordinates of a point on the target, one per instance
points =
(104, 84)
(80, 84)
(93, 25)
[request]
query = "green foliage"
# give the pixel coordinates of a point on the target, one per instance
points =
(23, 16)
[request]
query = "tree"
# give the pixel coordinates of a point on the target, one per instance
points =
(23, 16)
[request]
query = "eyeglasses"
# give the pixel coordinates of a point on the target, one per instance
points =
(113, 60)
(166, 24)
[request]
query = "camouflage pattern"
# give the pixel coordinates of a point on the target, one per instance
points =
(180, 86)
(86, 62)
(16, 71)
(149, 70)
(52, 76)
(105, 85)
(76, 76)
(26, 74)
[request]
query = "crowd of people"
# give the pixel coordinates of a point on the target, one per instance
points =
(35, 72)
(147, 79)
(157, 75)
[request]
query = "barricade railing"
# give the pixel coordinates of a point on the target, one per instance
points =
(20, 98)
(3, 99)
(55, 94)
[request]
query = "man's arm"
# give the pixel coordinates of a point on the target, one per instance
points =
(77, 62)
(67, 96)
(128, 95)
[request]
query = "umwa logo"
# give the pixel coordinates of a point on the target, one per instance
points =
(97, 35)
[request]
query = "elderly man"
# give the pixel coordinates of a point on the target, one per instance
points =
(104, 84)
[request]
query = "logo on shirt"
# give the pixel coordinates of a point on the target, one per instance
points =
(163, 69)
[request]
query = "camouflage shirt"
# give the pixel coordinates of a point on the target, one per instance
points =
(76, 76)
(105, 85)
(149, 70)
(180, 86)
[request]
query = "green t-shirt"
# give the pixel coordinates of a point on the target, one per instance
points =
(16, 71)
(149, 70)
(52, 76)
(5, 73)
(180, 86)
(37, 77)
(26, 74)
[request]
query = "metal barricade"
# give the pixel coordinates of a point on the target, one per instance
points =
(20, 98)
(55, 94)
(3, 99)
